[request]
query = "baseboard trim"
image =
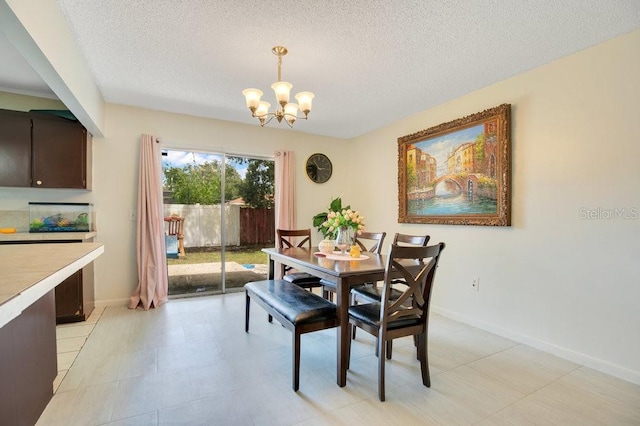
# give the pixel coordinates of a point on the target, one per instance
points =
(114, 302)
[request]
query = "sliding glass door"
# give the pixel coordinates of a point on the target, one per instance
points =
(226, 203)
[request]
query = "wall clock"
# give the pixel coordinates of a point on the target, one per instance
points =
(319, 168)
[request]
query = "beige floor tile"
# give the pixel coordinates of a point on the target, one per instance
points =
(476, 341)
(146, 419)
(523, 368)
(70, 344)
(446, 356)
(227, 409)
(439, 325)
(191, 362)
(373, 412)
(58, 380)
(93, 318)
(600, 384)
(563, 404)
(75, 330)
(65, 360)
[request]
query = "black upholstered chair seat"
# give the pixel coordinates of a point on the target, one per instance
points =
(370, 313)
(373, 292)
(302, 279)
(327, 283)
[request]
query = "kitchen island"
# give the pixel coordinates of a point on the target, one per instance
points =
(75, 297)
(28, 364)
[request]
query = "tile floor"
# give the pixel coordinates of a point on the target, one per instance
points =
(191, 363)
(70, 339)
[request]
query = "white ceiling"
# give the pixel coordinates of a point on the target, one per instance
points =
(369, 62)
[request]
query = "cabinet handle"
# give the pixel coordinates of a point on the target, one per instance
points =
(39, 182)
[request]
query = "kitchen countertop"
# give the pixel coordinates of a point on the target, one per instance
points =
(47, 236)
(29, 271)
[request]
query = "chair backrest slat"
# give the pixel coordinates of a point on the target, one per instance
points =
(286, 238)
(417, 266)
(175, 224)
(376, 237)
(412, 240)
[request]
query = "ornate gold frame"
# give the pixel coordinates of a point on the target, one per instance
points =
(476, 170)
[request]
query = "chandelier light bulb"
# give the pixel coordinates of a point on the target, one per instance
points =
(304, 100)
(263, 109)
(252, 97)
(291, 113)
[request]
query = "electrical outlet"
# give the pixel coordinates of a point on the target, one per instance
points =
(132, 214)
(475, 283)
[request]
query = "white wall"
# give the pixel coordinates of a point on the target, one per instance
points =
(553, 279)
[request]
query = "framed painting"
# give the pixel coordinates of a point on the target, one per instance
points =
(457, 173)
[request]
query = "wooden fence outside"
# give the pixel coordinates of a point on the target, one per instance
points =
(257, 226)
(244, 225)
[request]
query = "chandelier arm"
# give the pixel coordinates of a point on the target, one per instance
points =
(304, 117)
(262, 119)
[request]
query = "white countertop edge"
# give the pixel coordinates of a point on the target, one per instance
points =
(10, 310)
(14, 307)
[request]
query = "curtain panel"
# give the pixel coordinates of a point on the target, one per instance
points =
(153, 281)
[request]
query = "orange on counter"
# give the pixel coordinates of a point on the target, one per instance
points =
(7, 230)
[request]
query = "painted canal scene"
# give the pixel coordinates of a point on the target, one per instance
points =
(454, 174)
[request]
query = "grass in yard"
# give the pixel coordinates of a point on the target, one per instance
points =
(243, 257)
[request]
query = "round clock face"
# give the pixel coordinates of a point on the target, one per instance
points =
(319, 168)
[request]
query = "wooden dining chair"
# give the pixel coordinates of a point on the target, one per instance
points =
(176, 227)
(288, 238)
(407, 315)
(371, 292)
(368, 242)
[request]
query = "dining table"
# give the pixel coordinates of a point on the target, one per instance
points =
(343, 270)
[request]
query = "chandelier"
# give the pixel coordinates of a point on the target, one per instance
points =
(287, 110)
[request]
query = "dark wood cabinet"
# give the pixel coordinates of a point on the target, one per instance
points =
(28, 363)
(69, 299)
(59, 153)
(43, 151)
(75, 299)
(15, 148)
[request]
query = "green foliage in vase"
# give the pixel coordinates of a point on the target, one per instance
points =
(328, 222)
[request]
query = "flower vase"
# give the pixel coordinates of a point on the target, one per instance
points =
(343, 239)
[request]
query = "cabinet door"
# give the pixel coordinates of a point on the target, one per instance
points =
(69, 299)
(28, 363)
(15, 148)
(59, 153)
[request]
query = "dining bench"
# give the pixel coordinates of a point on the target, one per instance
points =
(298, 310)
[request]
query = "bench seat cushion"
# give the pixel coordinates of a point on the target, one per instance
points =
(297, 305)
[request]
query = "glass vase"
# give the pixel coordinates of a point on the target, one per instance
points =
(343, 239)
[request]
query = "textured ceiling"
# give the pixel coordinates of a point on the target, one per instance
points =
(369, 63)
